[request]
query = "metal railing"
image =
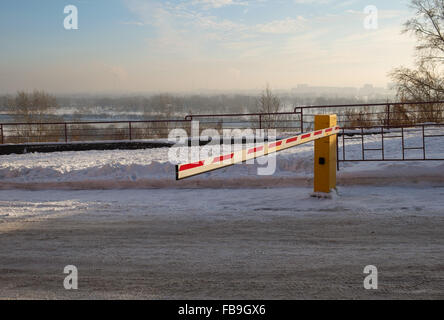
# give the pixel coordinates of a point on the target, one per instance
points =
(302, 117)
(413, 141)
(376, 114)
(66, 132)
(282, 121)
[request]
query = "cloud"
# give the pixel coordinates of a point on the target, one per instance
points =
(208, 47)
(188, 28)
(218, 3)
(312, 1)
(284, 26)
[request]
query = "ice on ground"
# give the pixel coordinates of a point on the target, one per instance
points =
(368, 201)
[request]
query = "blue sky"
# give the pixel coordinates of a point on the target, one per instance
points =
(188, 45)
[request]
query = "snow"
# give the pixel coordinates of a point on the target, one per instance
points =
(151, 168)
(366, 201)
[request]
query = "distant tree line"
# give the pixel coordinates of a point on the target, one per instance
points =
(166, 104)
(163, 104)
(31, 107)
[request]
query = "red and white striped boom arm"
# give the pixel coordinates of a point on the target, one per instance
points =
(192, 169)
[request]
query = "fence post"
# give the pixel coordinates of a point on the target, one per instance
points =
(325, 165)
(66, 133)
(260, 122)
(388, 114)
(130, 131)
(337, 154)
(302, 120)
(1, 133)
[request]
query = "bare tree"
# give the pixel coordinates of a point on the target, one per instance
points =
(268, 102)
(426, 81)
(35, 109)
(158, 108)
(428, 27)
(37, 106)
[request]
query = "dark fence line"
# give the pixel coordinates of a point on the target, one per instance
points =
(17, 133)
(383, 133)
(299, 120)
(367, 115)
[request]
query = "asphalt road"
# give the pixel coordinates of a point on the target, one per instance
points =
(216, 246)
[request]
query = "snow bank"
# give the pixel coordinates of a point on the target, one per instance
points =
(150, 169)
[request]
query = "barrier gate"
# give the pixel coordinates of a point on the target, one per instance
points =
(325, 137)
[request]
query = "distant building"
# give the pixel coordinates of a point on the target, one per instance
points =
(368, 91)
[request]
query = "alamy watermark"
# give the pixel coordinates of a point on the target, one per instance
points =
(371, 19)
(187, 148)
(71, 21)
(371, 281)
(71, 281)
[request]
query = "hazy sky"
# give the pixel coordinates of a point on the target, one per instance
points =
(187, 45)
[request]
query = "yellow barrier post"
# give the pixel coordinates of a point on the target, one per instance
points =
(325, 156)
